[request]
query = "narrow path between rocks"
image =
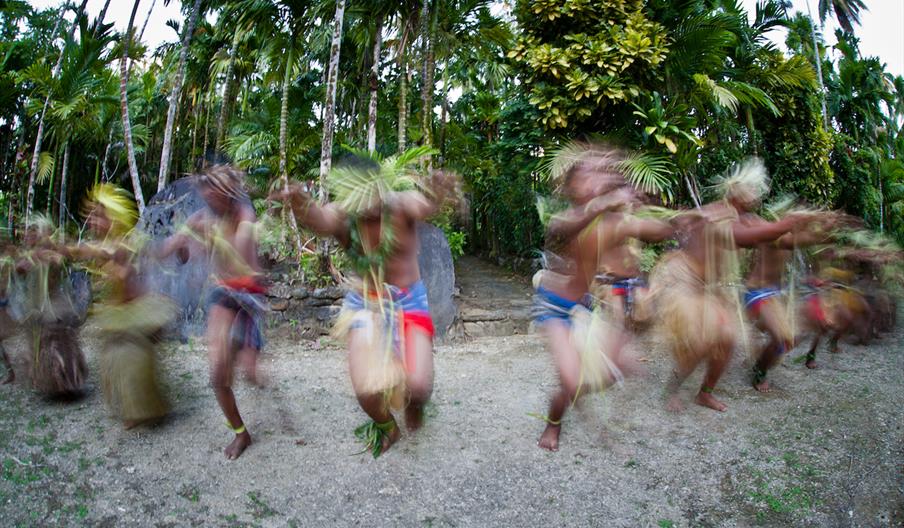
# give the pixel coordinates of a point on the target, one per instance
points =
(493, 301)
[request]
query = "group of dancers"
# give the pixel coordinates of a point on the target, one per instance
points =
(591, 296)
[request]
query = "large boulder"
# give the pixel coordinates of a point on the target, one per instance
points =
(435, 261)
(184, 281)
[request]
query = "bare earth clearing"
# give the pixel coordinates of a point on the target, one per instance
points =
(824, 448)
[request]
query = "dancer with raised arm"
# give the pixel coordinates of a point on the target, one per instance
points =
(385, 319)
(236, 305)
(584, 347)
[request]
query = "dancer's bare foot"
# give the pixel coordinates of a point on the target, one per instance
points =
(392, 436)
(549, 440)
(238, 445)
(762, 386)
(811, 364)
(674, 404)
(706, 399)
(414, 417)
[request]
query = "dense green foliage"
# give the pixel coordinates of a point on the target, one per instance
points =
(690, 86)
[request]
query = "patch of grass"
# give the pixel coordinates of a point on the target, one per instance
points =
(70, 446)
(259, 508)
(631, 463)
(38, 422)
(787, 490)
(190, 493)
(666, 523)
(19, 474)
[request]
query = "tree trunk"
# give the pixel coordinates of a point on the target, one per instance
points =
(403, 105)
(284, 115)
(326, 149)
(751, 130)
(40, 135)
(224, 107)
(124, 103)
(427, 86)
(818, 61)
(206, 103)
(403, 88)
(284, 136)
(63, 179)
(443, 115)
(103, 13)
(107, 156)
(174, 97)
(145, 25)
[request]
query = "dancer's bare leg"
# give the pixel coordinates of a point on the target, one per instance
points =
(772, 322)
(419, 378)
(219, 328)
(568, 364)
(10, 373)
(374, 404)
(714, 370)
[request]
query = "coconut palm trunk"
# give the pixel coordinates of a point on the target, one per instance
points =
(174, 97)
(818, 61)
(40, 135)
(227, 93)
(284, 136)
(145, 25)
(329, 115)
(374, 87)
(429, 68)
(124, 103)
(64, 177)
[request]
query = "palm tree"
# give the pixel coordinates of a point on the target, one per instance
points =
(192, 19)
(79, 96)
(40, 134)
(124, 104)
(329, 111)
(847, 12)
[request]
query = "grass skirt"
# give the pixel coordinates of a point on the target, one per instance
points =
(58, 364)
(383, 368)
(594, 338)
(695, 320)
(128, 359)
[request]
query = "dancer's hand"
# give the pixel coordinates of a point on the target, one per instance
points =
(294, 195)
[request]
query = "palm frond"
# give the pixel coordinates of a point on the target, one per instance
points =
(559, 160)
(650, 172)
(46, 163)
(723, 96)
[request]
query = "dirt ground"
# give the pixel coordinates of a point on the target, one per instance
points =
(823, 449)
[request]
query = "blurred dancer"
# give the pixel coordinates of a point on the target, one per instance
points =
(386, 317)
(765, 300)
(8, 323)
(696, 304)
(583, 345)
(129, 317)
(227, 228)
(58, 365)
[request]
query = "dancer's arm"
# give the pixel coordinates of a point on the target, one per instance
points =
(179, 240)
(325, 220)
(420, 205)
(645, 229)
(565, 226)
(751, 235)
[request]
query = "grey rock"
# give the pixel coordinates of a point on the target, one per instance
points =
(326, 314)
(300, 293)
(185, 281)
(435, 262)
(330, 292)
